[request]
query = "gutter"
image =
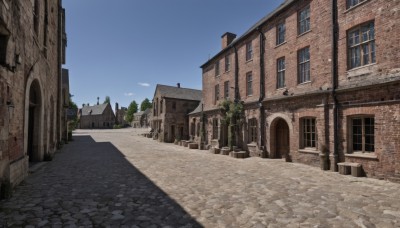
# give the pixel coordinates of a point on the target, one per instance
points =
(335, 30)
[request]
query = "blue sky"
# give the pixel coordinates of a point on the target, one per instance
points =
(123, 48)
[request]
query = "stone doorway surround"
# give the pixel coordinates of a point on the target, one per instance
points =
(279, 131)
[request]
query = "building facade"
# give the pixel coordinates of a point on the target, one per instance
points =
(99, 116)
(171, 106)
(319, 83)
(32, 51)
(120, 115)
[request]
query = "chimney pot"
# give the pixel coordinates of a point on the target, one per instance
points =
(178, 85)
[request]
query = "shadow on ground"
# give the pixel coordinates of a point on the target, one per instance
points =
(91, 184)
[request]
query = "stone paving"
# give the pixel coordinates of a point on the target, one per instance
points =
(115, 178)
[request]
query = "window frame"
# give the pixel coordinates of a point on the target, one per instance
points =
(216, 93)
(252, 128)
(303, 77)
(308, 136)
(355, 42)
(249, 50)
(216, 68)
(280, 72)
(249, 84)
(350, 3)
(226, 90)
(363, 134)
(227, 63)
(280, 33)
(306, 20)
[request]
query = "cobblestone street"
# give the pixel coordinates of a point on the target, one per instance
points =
(116, 177)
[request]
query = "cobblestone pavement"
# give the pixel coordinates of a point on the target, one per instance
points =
(117, 178)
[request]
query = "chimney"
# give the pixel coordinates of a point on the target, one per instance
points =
(116, 113)
(116, 106)
(178, 85)
(83, 105)
(227, 39)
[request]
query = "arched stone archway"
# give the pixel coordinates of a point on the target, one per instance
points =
(279, 139)
(34, 122)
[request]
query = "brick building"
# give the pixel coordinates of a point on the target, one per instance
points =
(99, 116)
(171, 106)
(32, 51)
(316, 78)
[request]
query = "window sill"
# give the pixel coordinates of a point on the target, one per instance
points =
(227, 72)
(355, 6)
(362, 155)
(305, 83)
(250, 60)
(361, 70)
(304, 33)
(308, 151)
(281, 88)
(278, 45)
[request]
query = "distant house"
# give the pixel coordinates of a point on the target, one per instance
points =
(97, 117)
(171, 106)
(141, 119)
(120, 115)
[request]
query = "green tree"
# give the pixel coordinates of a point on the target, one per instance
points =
(107, 100)
(132, 109)
(145, 105)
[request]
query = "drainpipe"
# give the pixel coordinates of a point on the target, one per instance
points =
(59, 71)
(335, 157)
(236, 75)
(262, 93)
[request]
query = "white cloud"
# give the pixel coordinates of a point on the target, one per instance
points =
(129, 94)
(144, 84)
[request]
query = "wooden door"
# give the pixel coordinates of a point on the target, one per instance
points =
(282, 139)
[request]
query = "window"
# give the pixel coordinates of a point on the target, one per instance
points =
(215, 129)
(227, 63)
(280, 33)
(249, 80)
(3, 48)
(361, 45)
(161, 106)
(36, 17)
(362, 134)
(280, 79)
(216, 93)
(174, 105)
(352, 3)
(304, 20)
(217, 68)
(226, 90)
(308, 133)
(249, 51)
(198, 130)
(253, 130)
(304, 65)
(192, 129)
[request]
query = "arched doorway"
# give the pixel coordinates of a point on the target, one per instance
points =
(34, 117)
(279, 138)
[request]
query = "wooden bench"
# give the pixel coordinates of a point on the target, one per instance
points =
(347, 168)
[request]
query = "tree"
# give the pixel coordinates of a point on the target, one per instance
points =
(132, 109)
(107, 100)
(145, 105)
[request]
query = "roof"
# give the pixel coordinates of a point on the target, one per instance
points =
(179, 92)
(138, 113)
(94, 110)
(147, 111)
(252, 29)
(198, 109)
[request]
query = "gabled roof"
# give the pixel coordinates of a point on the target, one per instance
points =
(138, 113)
(94, 110)
(253, 28)
(179, 92)
(147, 111)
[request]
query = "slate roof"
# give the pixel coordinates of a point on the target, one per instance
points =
(93, 110)
(179, 93)
(198, 109)
(147, 111)
(138, 113)
(252, 28)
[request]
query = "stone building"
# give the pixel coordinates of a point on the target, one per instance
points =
(120, 115)
(141, 119)
(171, 106)
(317, 79)
(32, 51)
(99, 116)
